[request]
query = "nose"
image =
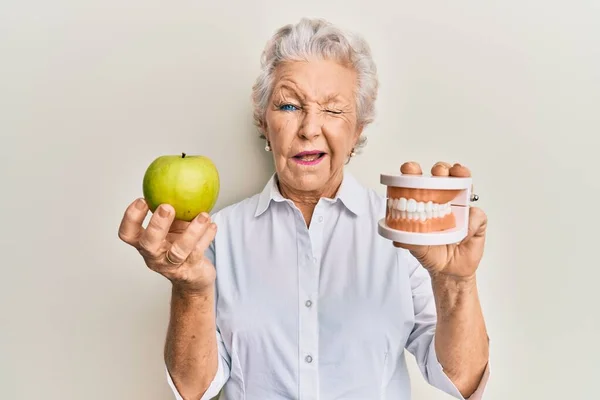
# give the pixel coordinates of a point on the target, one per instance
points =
(311, 125)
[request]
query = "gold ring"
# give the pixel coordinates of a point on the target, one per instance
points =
(169, 260)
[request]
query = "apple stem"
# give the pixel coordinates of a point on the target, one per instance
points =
(182, 155)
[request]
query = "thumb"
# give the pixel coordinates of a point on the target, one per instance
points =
(477, 224)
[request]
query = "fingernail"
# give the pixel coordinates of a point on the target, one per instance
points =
(163, 212)
(204, 217)
(140, 204)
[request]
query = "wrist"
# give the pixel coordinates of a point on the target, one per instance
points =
(185, 292)
(450, 285)
(456, 280)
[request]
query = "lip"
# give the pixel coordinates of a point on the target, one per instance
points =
(316, 161)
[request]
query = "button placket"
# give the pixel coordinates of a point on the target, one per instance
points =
(308, 274)
(309, 331)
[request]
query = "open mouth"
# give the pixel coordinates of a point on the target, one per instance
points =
(309, 157)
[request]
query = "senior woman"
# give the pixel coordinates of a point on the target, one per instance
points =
(297, 296)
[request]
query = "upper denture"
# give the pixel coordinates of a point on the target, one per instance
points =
(439, 196)
(423, 210)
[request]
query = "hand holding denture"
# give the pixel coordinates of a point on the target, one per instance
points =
(433, 205)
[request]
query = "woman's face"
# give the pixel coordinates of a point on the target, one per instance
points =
(311, 124)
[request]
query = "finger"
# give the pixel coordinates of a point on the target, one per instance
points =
(405, 246)
(179, 226)
(411, 168)
(443, 163)
(200, 248)
(158, 228)
(417, 250)
(460, 171)
(131, 227)
(184, 245)
(440, 168)
(477, 223)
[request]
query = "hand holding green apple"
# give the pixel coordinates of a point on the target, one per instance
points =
(180, 191)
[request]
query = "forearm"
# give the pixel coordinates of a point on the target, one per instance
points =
(191, 352)
(461, 340)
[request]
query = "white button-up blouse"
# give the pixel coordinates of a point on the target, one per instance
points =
(318, 313)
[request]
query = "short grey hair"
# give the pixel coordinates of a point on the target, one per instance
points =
(319, 39)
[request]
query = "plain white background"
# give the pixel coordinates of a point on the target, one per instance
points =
(91, 92)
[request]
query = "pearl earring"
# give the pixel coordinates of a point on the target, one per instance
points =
(352, 154)
(267, 147)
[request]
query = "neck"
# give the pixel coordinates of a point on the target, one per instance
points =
(306, 200)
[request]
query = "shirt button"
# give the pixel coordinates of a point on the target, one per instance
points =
(308, 359)
(315, 260)
(321, 219)
(308, 303)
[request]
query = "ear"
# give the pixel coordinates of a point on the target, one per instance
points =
(262, 129)
(358, 133)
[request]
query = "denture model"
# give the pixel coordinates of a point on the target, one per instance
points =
(426, 210)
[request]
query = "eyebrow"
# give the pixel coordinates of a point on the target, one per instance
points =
(290, 88)
(333, 97)
(328, 98)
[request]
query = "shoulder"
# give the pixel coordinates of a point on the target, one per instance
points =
(240, 210)
(247, 208)
(374, 202)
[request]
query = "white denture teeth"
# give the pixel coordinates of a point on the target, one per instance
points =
(429, 210)
(411, 205)
(403, 208)
(402, 202)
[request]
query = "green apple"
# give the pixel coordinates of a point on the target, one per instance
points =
(188, 183)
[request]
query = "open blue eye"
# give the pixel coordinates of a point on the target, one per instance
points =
(288, 107)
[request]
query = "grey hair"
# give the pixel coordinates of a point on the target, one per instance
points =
(319, 39)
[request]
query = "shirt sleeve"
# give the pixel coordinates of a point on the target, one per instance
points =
(421, 342)
(224, 360)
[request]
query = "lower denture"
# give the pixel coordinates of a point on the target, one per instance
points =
(429, 225)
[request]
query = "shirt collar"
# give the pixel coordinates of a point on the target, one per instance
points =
(351, 193)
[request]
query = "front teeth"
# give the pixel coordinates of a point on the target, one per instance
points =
(414, 210)
(402, 203)
(411, 205)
